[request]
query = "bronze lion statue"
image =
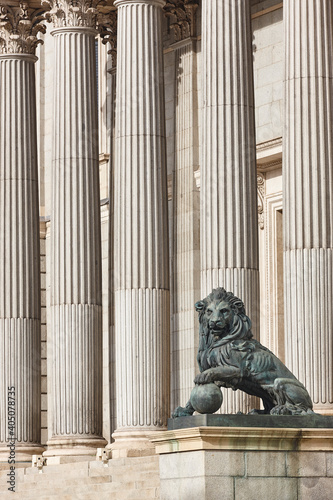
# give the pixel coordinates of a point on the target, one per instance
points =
(230, 357)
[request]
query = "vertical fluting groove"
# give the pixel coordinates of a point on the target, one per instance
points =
(229, 232)
(19, 250)
(76, 241)
(141, 262)
(186, 241)
(308, 194)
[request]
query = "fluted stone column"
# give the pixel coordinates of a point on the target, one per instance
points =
(76, 290)
(308, 196)
(141, 270)
(229, 231)
(19, 236)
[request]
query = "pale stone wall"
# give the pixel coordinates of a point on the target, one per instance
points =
(267, 25)
(44, 89)
(247, 475)
(268, 73)
(106, 319)
(43, 273)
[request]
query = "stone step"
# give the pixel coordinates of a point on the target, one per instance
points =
(28, 485)
(134, 478)
(95, 493)
(44, 477)
(49, 469)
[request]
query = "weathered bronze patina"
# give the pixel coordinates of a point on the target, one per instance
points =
(230, 357)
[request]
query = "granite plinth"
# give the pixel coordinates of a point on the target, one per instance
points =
(265, 421)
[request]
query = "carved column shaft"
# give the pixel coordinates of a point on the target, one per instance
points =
(140, 226)
(76, 302)
(19, 237)
(308, 195)
(229, 232)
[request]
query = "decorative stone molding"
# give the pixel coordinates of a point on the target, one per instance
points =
(170, 187)
(108, 31)
(19, 27)
(72, 13)
(183, 16)
(263, 146)
(261, 195)
(243, 438)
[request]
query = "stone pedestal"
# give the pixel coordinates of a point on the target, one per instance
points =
(209, 463)
(228, 222)
(141, 266)
(19, 238)
(308, 195)
(76, 289)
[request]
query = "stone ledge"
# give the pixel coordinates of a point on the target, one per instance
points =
(243, 438)
(282, 421)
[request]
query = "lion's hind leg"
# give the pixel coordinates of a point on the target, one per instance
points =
(291, 396)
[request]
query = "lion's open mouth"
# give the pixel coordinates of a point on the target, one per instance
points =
(219, 331)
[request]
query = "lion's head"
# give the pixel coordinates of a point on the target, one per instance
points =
(222, 318)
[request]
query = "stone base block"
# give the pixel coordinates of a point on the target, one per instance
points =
(132, 444)
(245, 464)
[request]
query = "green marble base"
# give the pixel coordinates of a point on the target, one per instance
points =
(280, 421)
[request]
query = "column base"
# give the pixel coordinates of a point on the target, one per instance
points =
(132, 443)
(74, 447)
(323, 409)
(23, 452)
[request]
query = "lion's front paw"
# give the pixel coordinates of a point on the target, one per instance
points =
(204, 378)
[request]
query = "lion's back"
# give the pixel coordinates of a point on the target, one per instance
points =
(265, 367)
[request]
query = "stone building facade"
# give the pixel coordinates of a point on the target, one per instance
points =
(150, 151)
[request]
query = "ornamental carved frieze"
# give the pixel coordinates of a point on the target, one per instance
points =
(107, 25)
(19, 27)
(261, 197)
(71, 13)
(182, 14)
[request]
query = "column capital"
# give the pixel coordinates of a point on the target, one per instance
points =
(72, 13)
(182, 14)
(19, 27)
(157, 3)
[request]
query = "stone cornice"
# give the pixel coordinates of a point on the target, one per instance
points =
(19, 27)
(182, 14)
(243, 438)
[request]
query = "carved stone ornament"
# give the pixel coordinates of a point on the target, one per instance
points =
(72, 13)
(19, 27)
(182, 15)
(107, 26)
(261, 195)
(230, 357)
